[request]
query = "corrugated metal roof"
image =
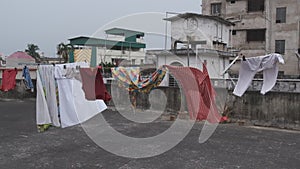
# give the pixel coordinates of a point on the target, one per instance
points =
(90, 41)
(194, 15)
(124, 32)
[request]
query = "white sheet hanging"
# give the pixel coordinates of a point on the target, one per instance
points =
(248, 69)
(74, 108)
(42, 111)
(46, 104)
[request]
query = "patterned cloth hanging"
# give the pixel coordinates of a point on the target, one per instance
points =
(129, 78)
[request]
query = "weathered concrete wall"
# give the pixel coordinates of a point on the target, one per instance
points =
(203, 29)
(172, 94)
(276, 109)
(244, 20)
(19, 92)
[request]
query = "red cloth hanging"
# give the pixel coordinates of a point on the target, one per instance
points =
(9, 79)
(199, 93)
(93, 84)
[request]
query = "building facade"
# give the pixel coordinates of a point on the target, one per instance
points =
(197, 39)
(120, 45)
(262, 27)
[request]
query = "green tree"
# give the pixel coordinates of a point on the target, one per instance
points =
(32, 51)
(63, 50)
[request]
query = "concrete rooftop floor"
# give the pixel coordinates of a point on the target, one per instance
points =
(231, 146)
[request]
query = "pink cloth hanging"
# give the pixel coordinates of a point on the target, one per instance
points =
(199, 93)
(93, 85)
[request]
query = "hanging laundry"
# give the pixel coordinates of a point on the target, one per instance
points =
(74, 108)
(9, 79)
(153, 81)
(71, 72)
(249, 67)
(27, 79)
(46, 100)
(93, 84)
(128, 77)
(131, 81)
(200, 96)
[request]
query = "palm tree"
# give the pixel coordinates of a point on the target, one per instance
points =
(63, 50)
(32, 51)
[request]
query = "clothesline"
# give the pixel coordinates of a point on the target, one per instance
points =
(19, 69)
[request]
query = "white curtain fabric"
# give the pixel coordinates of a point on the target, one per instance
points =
(42, 111)
(46, 105)
(248, 69)
(74, 108)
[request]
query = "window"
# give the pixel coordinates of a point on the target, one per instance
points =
(172, 81)
(142, 61)
(281, 15)
(216, 9)
(232, 2)
(256, 5)
(133, 61)
(233, 32)
(256, 35)
(280, 46)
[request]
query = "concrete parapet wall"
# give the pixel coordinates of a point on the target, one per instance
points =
(282, 85)
(275, 109)
(173, 95)
(19, 92)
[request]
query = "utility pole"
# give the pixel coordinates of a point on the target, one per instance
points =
(188, 50)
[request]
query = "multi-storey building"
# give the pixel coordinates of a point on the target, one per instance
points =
(197, 39)
(120, 45)
(261, 27)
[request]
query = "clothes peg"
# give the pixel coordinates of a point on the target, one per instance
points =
(243, 57)
(65, 66)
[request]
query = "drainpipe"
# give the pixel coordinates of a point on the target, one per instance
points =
(269, 25)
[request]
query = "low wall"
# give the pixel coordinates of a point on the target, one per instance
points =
(173, 95)
(19, 92)
(275, 109)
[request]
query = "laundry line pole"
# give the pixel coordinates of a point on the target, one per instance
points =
(197, 65)
(188, 51)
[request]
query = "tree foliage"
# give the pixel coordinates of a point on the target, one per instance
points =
(63, 50)
(32, 51)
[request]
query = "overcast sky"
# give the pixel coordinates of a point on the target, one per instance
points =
(46, 23)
